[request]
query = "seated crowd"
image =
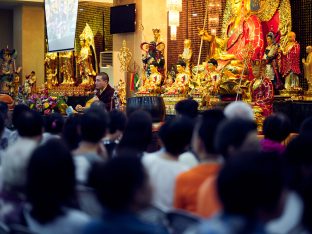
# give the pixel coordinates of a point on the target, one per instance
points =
(212, 173)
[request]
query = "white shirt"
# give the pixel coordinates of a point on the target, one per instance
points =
(162, 174)
(72, 222)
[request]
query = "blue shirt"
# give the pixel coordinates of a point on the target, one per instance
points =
(122, 223)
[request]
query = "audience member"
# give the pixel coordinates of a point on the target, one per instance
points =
(250, 187)
(188, 183)
(306, 127)
(240, 110)
(164, 168)
(276, 129)
(93, 126)
(137, 134)
(123, 189)
(116, 127)
(14, 165)
(187, 108)
(236, 135)
(50, 188)
(71, 133)
(18, 110)
(4, 140)
(53, 127)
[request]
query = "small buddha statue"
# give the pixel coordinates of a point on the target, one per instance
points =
(307, 65)
(152, 83)
(187, 54)
(181, 83)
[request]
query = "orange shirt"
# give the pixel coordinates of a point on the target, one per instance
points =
(188, 184)
(208, 203)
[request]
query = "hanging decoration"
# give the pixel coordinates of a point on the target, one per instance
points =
(174, 8)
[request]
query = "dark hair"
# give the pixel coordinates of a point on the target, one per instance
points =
(93, 125)
(1, 124)
(176, 135)
(54, 123)
(232, 132)
(276, 127)
(138, 132)
(187, 107)
(117, 121)
(104, 76)
(18, 110)
(50, 180)
(4, 109)
(29, 124)
(117, 181)
(306, 126)
(70, 133)
(181, 63)
(251, 182)
(207, 128)
(213, 61)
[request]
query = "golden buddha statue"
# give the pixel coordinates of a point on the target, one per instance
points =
(51, 69)
(187, 54)
(238, 35)
(151, 84)
(181, 83)
(67, 68)
(307, 65)
(290, 62)
(124, 56)
(87, 59)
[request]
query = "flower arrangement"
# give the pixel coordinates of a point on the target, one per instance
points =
(44, 103)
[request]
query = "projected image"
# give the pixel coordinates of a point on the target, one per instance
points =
(61, 17)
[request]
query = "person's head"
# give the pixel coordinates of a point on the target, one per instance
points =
(30, 124)
(309, 49)
(276, 127)
(93, 125)
(71, 134)
(33, 73)
(2, 125)
(251, 185)
(212, 64)
(117, 121)
(270, 38)
(121, 184)
(4, 110)
(187, 43)
(18, 110)
(291, 36)
(50, 180)
(239, 109)
(154, 67)
(101, 81)
(205, 131)
(176, 135)
(236, 135)
(188, 107)
(306, 126)
(181, 66)
(138, 132)
(54, 123)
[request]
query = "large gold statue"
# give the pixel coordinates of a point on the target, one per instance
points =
(66, 68)
(51, 69)
(151, 84)
(307, 65)
(290, 62)
(242, 29)
(87, 58)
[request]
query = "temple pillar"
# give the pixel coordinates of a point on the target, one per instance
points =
(28, 34)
